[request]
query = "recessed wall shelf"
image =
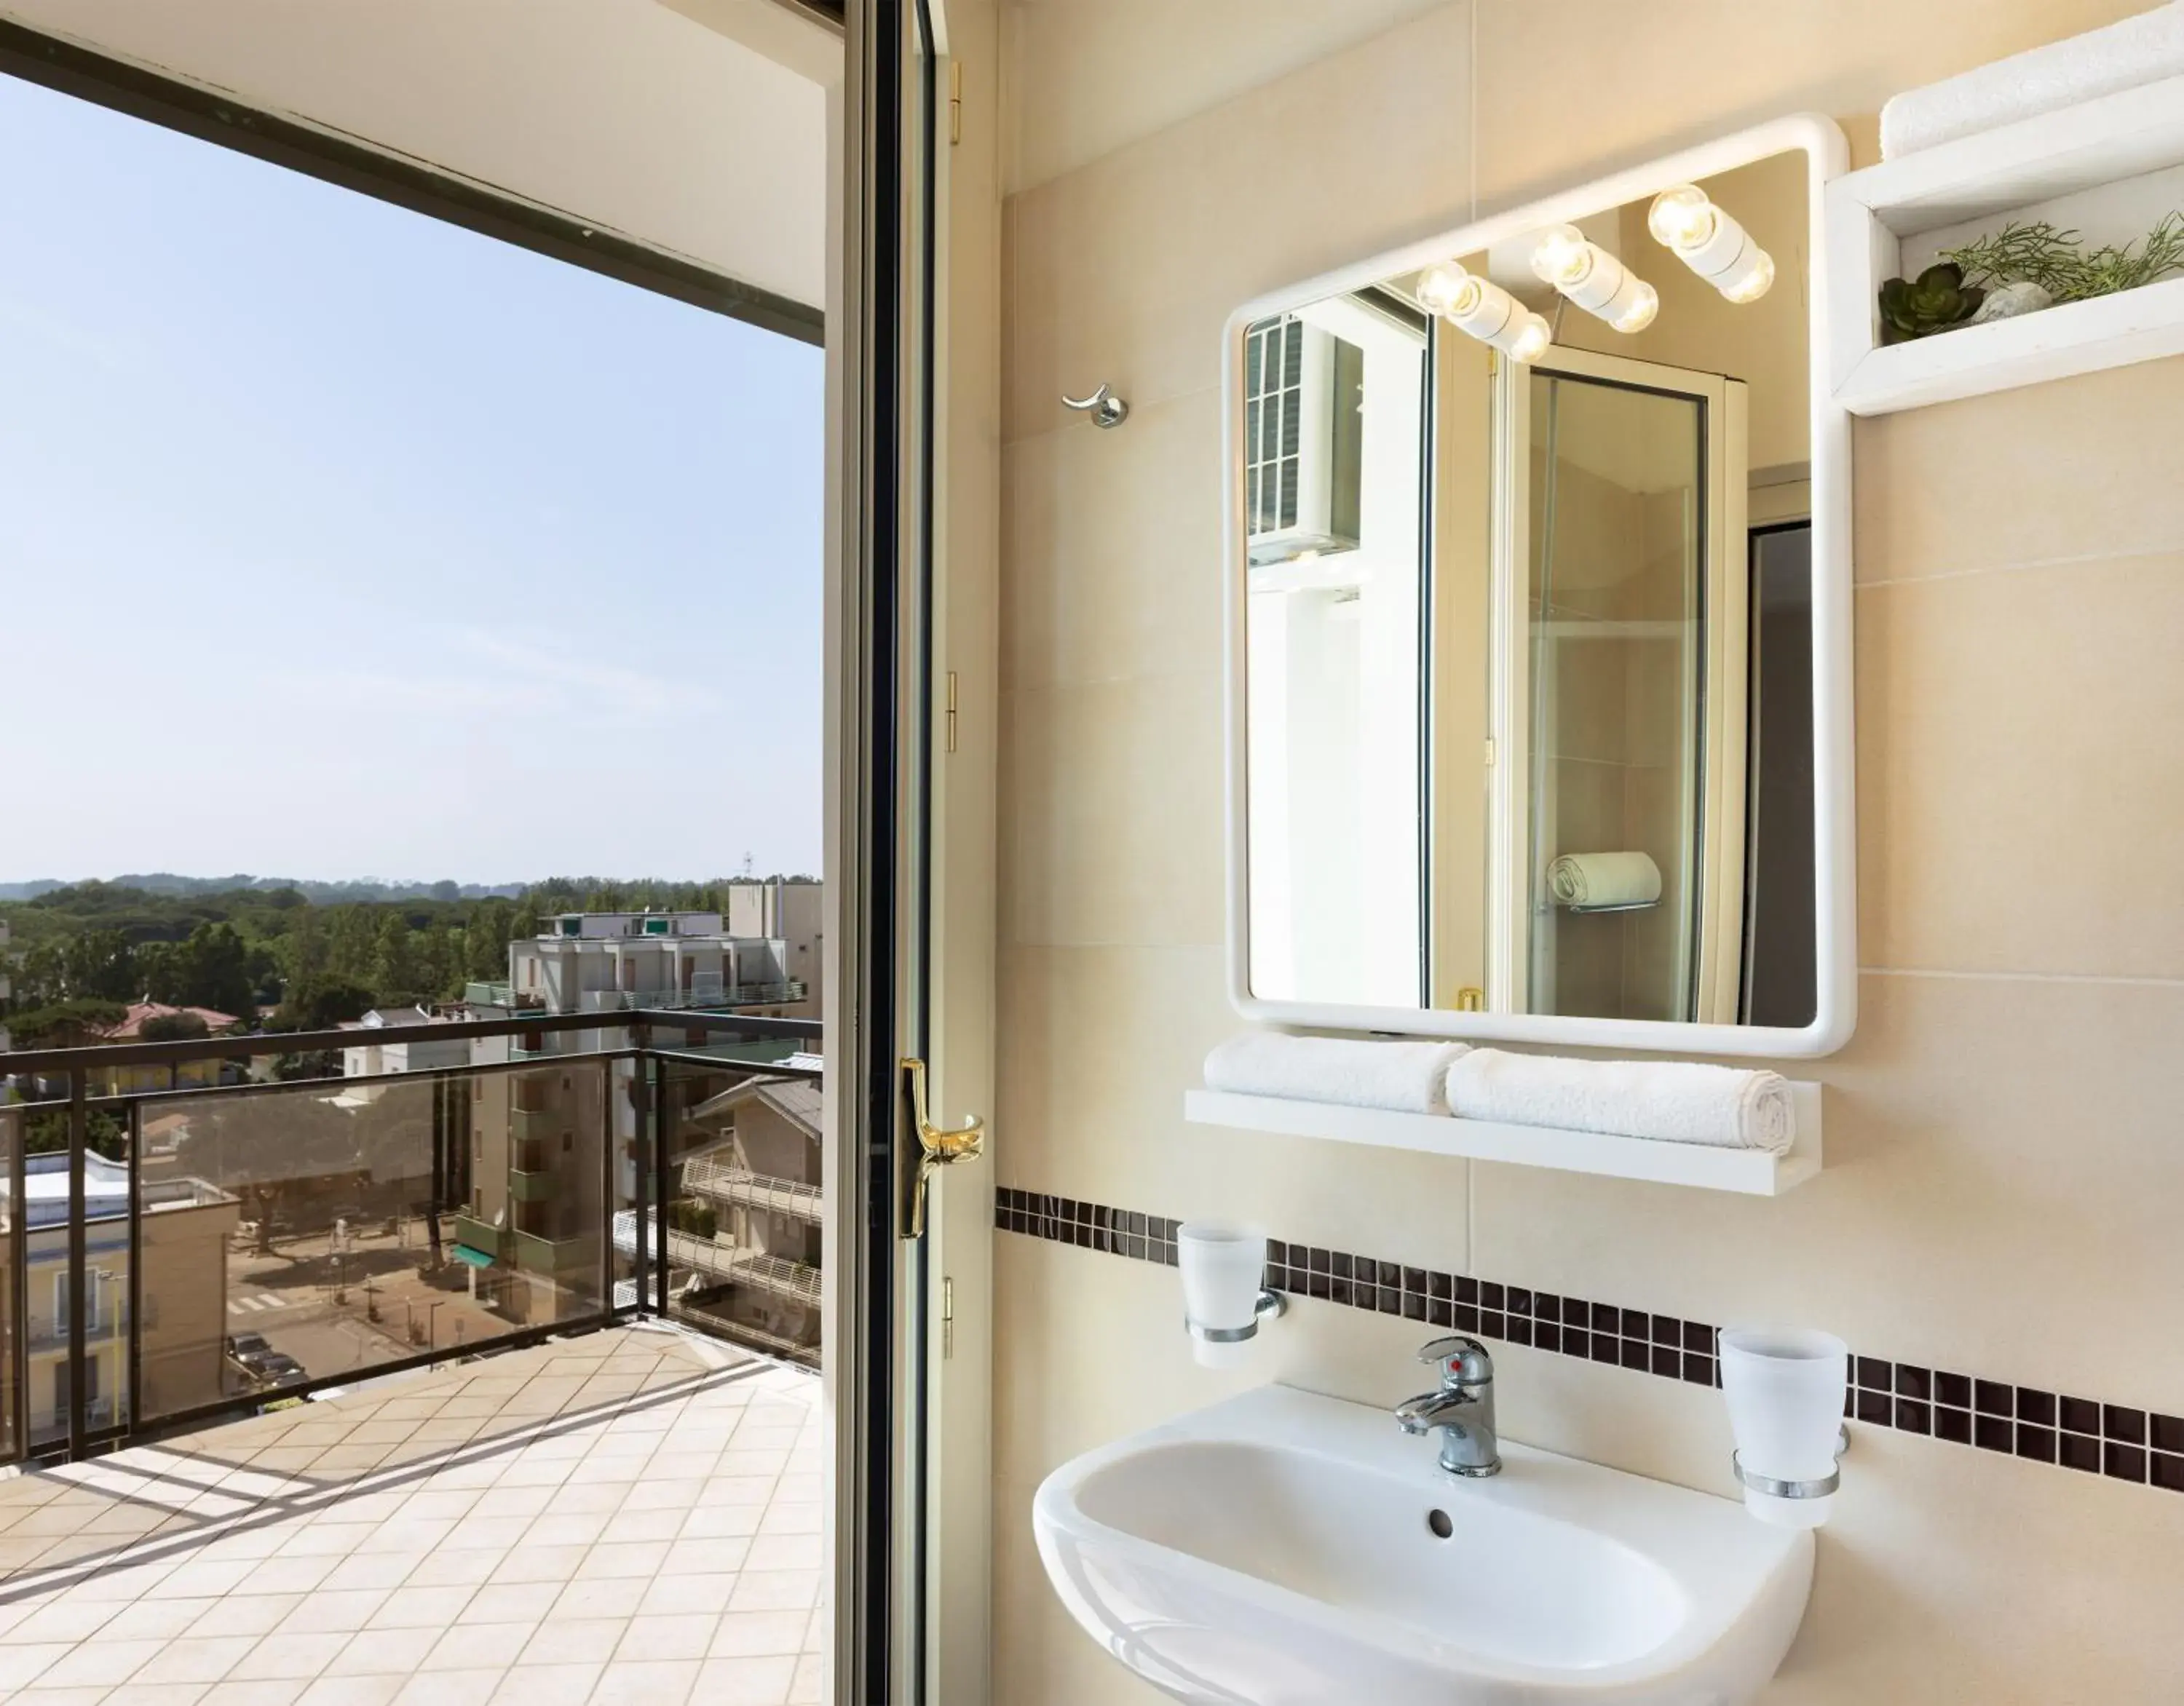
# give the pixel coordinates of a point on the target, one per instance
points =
(1751, 1172)
(2109, 167)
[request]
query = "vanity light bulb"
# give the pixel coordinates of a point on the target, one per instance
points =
(1531, 340)
(1682, 218)
(1756, 279)
(1563, 256)
(1645, 302)
(1441, 287)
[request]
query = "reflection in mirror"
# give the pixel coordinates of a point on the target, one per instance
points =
(1528, 626)
(1335, 426)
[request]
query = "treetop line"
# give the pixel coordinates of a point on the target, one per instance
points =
(273, 960)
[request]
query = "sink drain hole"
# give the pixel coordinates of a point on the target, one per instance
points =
(1438, 1521)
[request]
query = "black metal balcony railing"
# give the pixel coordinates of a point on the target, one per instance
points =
(277, 1224)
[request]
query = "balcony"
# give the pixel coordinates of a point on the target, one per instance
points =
(799, 1282)
(503, 1537)
(692, 1000)
(535, 1124)
(705, 1255)
(343, 1254)
(724, 1183)
(486, 1239)
(526, 1185)
(572, 1257)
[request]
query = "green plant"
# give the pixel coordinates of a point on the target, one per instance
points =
(2060, 263)
(1937, 299)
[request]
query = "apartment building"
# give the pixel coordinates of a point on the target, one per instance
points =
(791, 911)
(184, 1075)
(530, 1230)
(545, 1146)
(186, 1228)
(744, 1228)
(368, 1058)
(610, 962)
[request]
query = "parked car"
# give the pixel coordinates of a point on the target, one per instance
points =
(260, 1362)
(248, 1350)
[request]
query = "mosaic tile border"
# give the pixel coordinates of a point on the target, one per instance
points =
(2109, 1439)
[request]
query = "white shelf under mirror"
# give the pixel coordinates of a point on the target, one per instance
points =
(2110, 167)
(1748, 1172)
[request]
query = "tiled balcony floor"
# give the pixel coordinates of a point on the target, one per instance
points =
(631, 1516)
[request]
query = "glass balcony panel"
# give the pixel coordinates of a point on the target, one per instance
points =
(745, 1203)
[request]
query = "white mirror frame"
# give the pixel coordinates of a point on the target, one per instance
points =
(1835, 827)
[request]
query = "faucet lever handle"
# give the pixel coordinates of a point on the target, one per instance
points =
(1464, 1361)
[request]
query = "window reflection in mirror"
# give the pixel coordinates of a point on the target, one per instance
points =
(1528, 631)
(1335, 427)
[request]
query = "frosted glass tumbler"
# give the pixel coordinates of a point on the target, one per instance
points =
(1224, 1265)
(1785, 1388)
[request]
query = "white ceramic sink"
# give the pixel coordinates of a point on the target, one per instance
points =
(1280, 1550)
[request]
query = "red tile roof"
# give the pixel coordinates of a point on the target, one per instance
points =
(139, 1011)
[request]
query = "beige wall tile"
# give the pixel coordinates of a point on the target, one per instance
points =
(1568, 90)
(1114, 544)
(1081, 84)
(1971, 1204)
(2020, 769)
(1126, 270)
(1111, 799)
(2083, 467)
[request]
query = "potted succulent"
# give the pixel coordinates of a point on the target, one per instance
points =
(1937, 300)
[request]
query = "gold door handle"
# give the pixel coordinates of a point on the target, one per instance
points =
(937, 1146)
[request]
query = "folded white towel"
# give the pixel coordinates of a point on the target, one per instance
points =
(1677, 1101)
(2144, 49)
(1407, 1077)
(1604, 879)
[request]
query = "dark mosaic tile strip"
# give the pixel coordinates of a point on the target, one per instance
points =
(2083, 1434)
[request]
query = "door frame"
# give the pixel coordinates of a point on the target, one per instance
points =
(911, 647)
(1718, 875)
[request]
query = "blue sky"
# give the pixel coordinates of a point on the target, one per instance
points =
(338, 542)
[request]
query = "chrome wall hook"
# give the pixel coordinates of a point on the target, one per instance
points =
(1106, 409)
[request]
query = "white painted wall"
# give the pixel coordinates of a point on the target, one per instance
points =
(624, 112)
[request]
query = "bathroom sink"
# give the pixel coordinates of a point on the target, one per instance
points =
(1286, 1549)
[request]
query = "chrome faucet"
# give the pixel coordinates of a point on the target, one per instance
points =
(1462, 1410)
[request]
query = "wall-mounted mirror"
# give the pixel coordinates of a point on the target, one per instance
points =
(1540, 625)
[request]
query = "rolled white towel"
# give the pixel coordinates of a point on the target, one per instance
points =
(1676, 1101)
(2144, 49)
(1604, 879)
(1407, 1077)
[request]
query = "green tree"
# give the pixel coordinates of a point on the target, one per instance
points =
(173, 1027)
(394, 966)
(102, 965)
(485, 941)
(46, 1134)
(304, 949)
(433, 952)
(211, 969)
(320, 1004)
(75, 1023)
(352, 942)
